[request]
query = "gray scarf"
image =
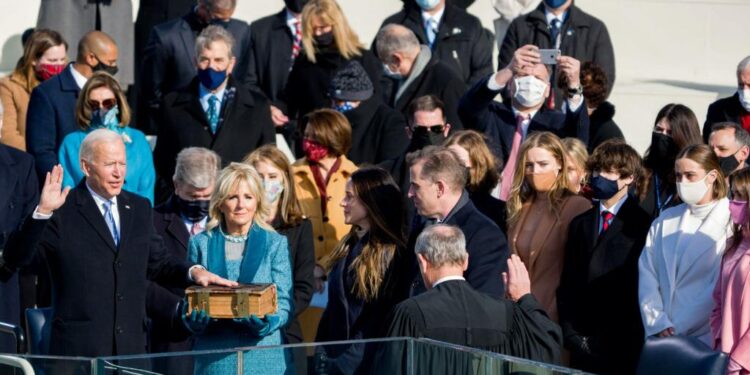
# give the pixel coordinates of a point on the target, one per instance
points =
(419, 64)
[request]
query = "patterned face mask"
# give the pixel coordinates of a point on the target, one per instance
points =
(343, 107)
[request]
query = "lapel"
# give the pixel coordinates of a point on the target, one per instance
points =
(176, 228)
(9, 176)
(256, 249)
(711, 236)
(538, 242)
(733, 110)
(189, 100)
(448, 27)
(67, 82)
(89, 210)
(125, 209)
(413, 21)
(409, 92)
(215, 257)
(231, 107)
(605, 257)
(188, 39)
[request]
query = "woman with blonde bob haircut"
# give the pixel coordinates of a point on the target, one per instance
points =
(240, 245)
(102, 105)
(681, 262)
(285, 215)
(484, 173)
(540, 209)
(328, 44)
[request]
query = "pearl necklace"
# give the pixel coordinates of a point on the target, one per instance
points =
(231, 238)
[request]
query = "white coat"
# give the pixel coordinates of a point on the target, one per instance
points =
(678, 269)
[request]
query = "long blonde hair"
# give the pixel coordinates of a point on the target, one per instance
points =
(227, 183)
(289, 208)
(344, 38)
(521, 192)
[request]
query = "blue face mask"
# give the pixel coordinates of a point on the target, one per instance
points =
(211, 79)
(603, 188)
(343, 107)
(554, 4)
(102, 118)
(427, 4)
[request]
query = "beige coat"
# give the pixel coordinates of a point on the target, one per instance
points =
(15, 99)
(539, 239)
(327, 231)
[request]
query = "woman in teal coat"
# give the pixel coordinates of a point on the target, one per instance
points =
(240, 246)
(103, 105)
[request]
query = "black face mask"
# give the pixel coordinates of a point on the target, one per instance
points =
(324, 40)
(662, 153)
(295, 6)
(192, 210)
(420, 140)
(221, 23)
(101, 67)
(728, 164)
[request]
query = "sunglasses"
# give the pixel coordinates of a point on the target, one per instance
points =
(106, 104)
(431, 128)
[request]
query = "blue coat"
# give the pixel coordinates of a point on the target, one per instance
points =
(266, 260)
(51, 116)
(140, 176)
(19, 194)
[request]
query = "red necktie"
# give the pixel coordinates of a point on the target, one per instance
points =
(297, 39)
(510, 165)
(606, 219)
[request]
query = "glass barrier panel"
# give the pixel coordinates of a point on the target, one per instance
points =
(50, 365)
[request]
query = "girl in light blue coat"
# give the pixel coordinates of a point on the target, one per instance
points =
(240, 246)
(102, 104)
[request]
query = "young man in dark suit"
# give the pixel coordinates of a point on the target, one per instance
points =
(101, 248)
(437, 181)
(598, 293)
(214, 111)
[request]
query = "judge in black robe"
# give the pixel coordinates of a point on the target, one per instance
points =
(454, 312)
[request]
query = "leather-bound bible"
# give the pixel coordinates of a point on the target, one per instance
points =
(241, 301)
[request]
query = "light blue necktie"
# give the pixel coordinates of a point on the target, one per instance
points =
(109, 218)
(430, 29)
(213, 113)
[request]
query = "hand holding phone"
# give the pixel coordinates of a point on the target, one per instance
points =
(549, 56)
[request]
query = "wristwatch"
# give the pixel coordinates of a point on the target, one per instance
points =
(575, 91)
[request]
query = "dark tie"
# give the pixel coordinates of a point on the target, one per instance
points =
(554, 31)
(606, 219)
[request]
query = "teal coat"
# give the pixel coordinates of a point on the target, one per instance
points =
(266, 260)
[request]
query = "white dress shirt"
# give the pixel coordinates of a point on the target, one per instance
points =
(434, 18)
(206, 93)
(101, 201)
(78, 77)
(447, 278)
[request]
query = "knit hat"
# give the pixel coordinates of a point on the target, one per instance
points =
(351, 83)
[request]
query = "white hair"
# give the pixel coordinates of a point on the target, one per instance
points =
(213, 33)
(88, 146)
(394, 38)
(442, 244)
(743, 65)
(197, 167)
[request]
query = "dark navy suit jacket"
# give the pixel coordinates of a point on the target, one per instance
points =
(19, 194)
(50, 118)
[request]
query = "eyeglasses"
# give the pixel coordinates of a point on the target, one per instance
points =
(431, 128)
(106, 104)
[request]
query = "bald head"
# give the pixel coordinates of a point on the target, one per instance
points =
(96, 42)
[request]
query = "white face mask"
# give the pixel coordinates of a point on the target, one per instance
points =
(745, 98)
(692, 192)
(529, 91)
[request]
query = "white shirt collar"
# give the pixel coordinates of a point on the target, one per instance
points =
(78, 77)
(290, 21)
(189, 224)
(204, 94)
(437, 16)
(549, 16)
(615, 208)
(98, 198)
(447, 278)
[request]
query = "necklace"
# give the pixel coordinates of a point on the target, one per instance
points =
(231, 238)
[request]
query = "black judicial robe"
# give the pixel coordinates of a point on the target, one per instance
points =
(454, 312)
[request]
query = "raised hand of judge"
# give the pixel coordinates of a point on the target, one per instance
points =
(53, 195)
(517, 282)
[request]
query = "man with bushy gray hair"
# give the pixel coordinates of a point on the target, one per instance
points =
(452, 311)
(735, 108)
(183, 215)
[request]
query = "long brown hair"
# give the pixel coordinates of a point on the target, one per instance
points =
(381, 198)
(740, 182)
(344, 38)
(707, 159)
(484, 172)
(39, 42)
(289, 208)
(99, 80)
(521, 192)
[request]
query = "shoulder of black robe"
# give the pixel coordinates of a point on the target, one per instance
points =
(533, 334)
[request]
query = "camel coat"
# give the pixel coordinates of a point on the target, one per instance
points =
(15, 99)
(541, 246)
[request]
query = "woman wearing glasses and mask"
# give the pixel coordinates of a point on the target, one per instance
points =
(102, 104)
(675, 128)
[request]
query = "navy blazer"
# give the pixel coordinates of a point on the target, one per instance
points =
(99, 289)
(19, 194)
(478, 110)
(50, 118)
